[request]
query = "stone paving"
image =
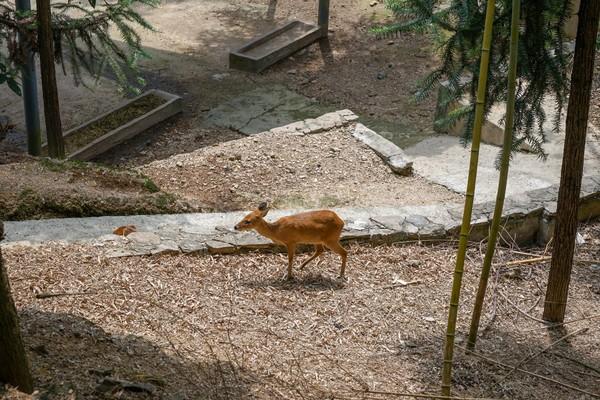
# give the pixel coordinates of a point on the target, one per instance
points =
(262, 109)
(444, 160)
(528, 217)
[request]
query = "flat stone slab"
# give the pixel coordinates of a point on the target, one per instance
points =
(445, 161)
(526, 219)
(263, 109)
(390, 153)
(322, 123)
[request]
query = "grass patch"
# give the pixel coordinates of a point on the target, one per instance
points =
(329, 201)
(62, 165)
(149, 184)
(164, 200)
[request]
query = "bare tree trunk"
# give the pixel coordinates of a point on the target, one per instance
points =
(14, 368)
(572, 164)
(56, 146)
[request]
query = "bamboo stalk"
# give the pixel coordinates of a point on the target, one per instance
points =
(469, 198)
(503, 179)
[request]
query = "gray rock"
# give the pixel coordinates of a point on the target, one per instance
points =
(147, 238)
(400, 165)
(417, 220)
(218, 247)
(380, 145)
(393, 222)
(191, 246)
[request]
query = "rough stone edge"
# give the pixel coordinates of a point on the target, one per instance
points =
(322, 123)
(526, 220)
(393, 155)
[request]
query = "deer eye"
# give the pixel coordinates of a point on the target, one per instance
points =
(247, 222)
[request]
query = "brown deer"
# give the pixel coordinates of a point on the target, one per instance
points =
(321, 228)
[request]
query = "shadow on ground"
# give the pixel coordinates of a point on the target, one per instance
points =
(71, 354)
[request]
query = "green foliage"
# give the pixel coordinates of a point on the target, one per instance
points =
(9, 76)
(149, 185)
(456, 28)
(81, 35)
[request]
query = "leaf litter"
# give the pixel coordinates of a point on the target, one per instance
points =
(228, 327)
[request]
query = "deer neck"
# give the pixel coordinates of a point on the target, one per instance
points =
(267, 229)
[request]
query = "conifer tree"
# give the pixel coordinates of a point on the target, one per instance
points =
(456, 27)
(81, 36)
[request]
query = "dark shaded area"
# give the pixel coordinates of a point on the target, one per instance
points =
(71, 354)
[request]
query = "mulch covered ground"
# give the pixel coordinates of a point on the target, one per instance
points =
(228, 327)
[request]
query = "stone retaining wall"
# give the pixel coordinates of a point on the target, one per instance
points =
(528, 218)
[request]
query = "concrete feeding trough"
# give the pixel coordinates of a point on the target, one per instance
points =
(119, 124)
(264, 51)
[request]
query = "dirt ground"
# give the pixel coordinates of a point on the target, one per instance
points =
(375, 78)
(331, 169)
(34, 188)
(353, 69)
(228, 327)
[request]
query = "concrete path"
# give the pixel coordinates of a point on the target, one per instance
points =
(445, 161)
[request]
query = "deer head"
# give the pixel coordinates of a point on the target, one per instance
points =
(251, 220)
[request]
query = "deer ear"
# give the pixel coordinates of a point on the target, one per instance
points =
(263, 208)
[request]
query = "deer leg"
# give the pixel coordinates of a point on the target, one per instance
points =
(337, 248)
(291, 248)
(318, 251)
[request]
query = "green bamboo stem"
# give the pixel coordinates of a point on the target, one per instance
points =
(470, 195)
(503, 179)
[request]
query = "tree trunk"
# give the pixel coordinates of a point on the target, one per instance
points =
(572, 164)
(14, 368)
(56, 146)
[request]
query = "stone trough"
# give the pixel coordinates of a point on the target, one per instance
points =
(172, 105)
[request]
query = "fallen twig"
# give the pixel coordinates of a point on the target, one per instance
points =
(562, 323)
(402, 284)
(528, 261)
(521, 311)
(527, 359)
(48, 295)
(576, 361)
(546, 258)
(416, 395)
(566, 385)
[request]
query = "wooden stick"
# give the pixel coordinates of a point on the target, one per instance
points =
(492, 361)
(521, 311)
(576, 361)
(563, 323)
(402, 284)
(48, 295)
(528, 261)
(418, 395)
(546, 258)
(527, 359)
